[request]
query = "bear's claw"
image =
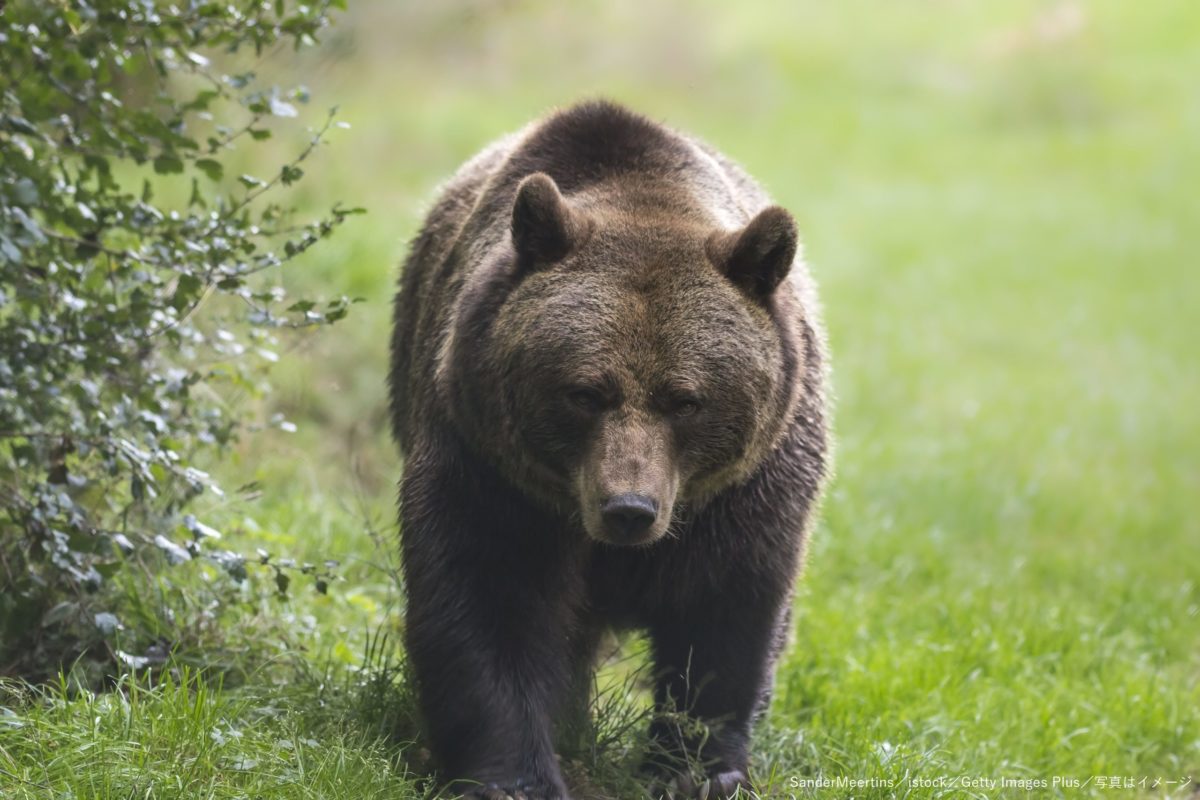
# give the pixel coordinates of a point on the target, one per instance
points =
(494, 791)
(719, 786)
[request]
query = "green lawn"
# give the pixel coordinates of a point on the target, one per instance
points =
(999, 201)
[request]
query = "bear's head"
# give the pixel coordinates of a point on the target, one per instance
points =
(638, 359)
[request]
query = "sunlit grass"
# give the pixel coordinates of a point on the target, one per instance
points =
(183, 738)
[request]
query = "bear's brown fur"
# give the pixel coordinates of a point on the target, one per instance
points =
(608, 383)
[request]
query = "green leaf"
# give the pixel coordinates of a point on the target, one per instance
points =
(198, 528)
(174, 553)
(291, 174)
(168, 164)
(196, 198)
(187, 291)
(9, 250)
(59, 613)
(202, 100)
(107, 623)
(17, 125)
(282, 108)
(210, 167)
(25, 192)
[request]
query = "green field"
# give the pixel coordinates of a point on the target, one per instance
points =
(999, 202)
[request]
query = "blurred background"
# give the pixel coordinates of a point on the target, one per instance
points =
(998, 201)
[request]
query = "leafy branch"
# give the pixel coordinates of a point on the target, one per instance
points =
(125, 318)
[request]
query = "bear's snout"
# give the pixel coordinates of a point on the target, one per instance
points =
(627, 518)
(628, 480)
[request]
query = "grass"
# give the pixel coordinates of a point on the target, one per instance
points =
(184, 738)
(997, 200)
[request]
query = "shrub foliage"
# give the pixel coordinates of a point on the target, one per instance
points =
(139, 294)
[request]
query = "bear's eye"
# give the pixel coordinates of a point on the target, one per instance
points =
(588, 400)
(684, 406)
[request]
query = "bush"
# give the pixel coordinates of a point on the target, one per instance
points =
(117, 225)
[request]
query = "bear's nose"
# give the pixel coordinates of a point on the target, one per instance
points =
(628, 516)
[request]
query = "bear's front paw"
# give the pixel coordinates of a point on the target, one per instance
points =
(718, 786)
(515, 791)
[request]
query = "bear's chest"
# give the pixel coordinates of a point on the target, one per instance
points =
(628, 587)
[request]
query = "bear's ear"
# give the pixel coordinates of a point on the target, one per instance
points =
(758, 257)
(544, 226)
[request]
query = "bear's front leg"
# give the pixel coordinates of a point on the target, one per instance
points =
(487, 627)
(713, 667)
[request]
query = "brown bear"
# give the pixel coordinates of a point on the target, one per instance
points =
(607, 382)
